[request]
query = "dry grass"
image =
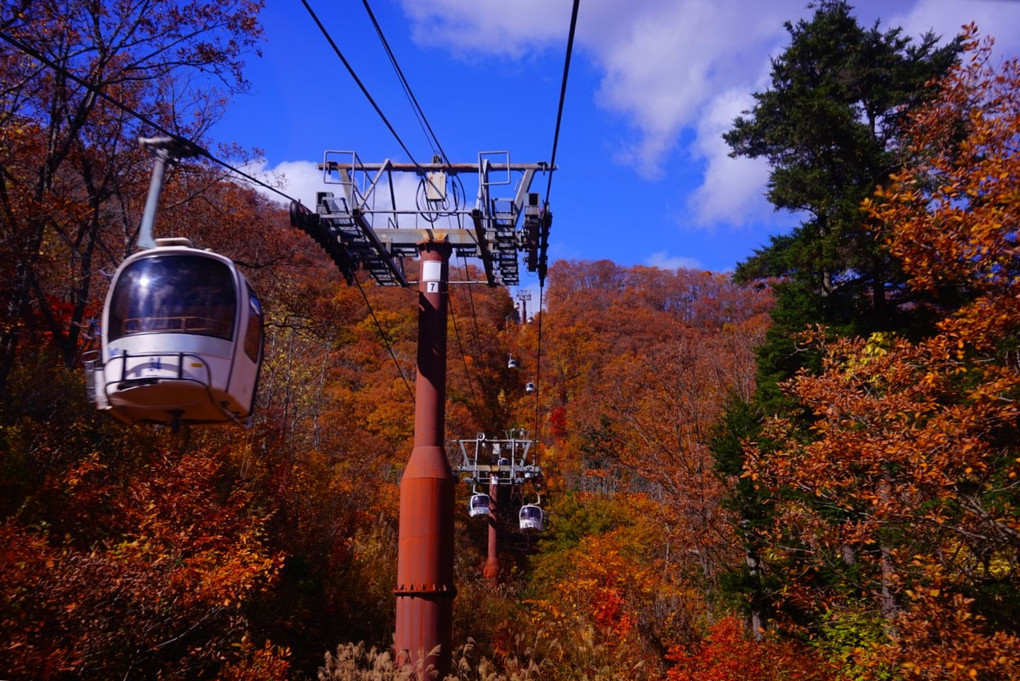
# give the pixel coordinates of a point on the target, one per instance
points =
(352, 662)
(542, 661)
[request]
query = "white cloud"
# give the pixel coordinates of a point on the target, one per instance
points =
(732, 193)
(662, 60)
(298, 179)
(997, 18)
(670, 67)
(670, 61)
(732, 190)
(488, 26)
(665, 261)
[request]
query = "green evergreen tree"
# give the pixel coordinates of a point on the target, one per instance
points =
(829, 127)
(750, 508)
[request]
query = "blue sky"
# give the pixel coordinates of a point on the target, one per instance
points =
(644, 177)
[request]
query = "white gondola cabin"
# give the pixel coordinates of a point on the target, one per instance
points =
(479, 505)
(182, 339)
(532, 517)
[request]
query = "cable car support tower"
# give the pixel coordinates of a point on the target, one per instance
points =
(372, 223)
(500, 464)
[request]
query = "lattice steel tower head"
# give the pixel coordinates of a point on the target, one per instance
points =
(375, 220)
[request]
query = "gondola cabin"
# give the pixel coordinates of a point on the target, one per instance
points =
(479, 505)
(532, 517)
(181, 341)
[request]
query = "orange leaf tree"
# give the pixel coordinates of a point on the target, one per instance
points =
(136, 565)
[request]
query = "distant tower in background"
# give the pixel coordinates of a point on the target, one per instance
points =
(524, 297)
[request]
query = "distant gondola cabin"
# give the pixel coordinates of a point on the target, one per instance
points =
(532, 517)
(182, 339)
(479, 505)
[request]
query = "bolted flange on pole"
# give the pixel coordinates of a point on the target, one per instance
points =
(425, 588)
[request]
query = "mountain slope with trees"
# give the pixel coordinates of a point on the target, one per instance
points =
(809, 472)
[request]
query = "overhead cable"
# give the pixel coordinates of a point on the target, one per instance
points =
(418, 111)
(538, 365)
(436, 145)
(548, 191)
(563, 96)
(433, 140)
(463, 358)
(385, 341)
(364, 90)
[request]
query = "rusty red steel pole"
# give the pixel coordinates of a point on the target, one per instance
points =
(425, 588)
(491, 570)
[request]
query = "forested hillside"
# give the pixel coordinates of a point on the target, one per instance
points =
(806, 471)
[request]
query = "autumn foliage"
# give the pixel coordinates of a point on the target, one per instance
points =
(878, 512)
(171, 571)
(904, 497)
(729, 653)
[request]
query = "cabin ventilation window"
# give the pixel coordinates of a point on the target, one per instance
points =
(253, 335)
